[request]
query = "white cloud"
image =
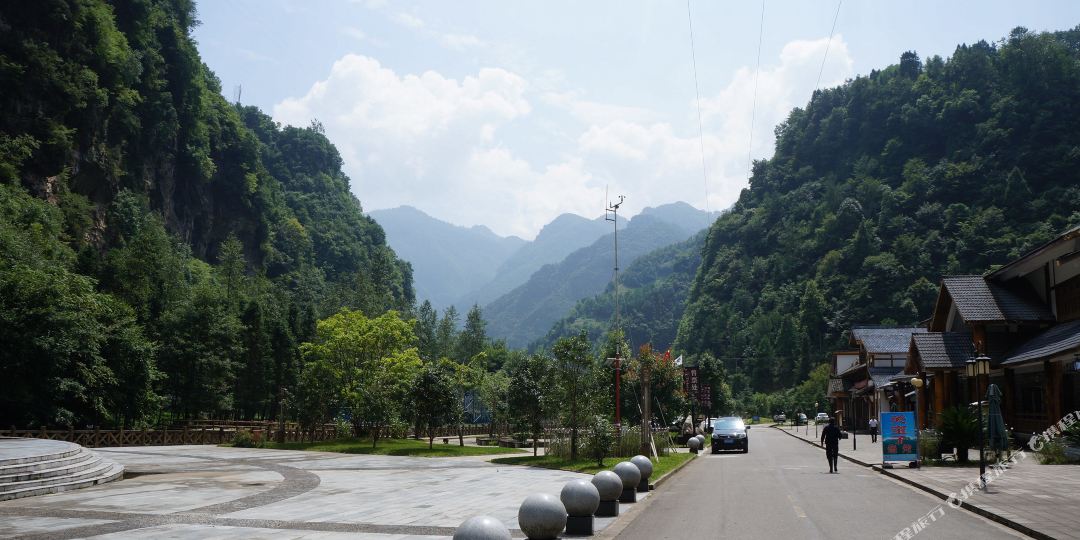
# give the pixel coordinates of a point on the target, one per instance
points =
(460, 42)
(360, 35)
(408, 20)
(652, 159)
(411, 138)
(467, 150)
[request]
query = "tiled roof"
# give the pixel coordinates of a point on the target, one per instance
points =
(1057, 339)
(882, 376)
(943, 349)
(979, 300)
(880, 340)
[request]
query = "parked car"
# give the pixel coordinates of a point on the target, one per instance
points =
(800, 420)
(779, 418)
(730, 433)
(821, 418)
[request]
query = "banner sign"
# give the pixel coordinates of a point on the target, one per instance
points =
(899, 438)
(705, 396)
(690, 382)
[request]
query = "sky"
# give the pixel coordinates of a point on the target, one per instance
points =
(509, 113)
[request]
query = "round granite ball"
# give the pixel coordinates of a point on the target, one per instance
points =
(608, 484)
(482, 528)
(629, 473)
(694, 444)
(644, 465)
(580, 497)
(542, 517)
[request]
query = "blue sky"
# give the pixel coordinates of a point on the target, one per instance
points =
(508, 113)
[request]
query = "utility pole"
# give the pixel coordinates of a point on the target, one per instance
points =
(614, 210)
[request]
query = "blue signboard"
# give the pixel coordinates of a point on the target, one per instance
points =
(899, 438)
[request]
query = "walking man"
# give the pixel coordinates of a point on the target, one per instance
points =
(873, 430)
(830, 439)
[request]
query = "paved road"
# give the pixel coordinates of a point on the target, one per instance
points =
(782, 489)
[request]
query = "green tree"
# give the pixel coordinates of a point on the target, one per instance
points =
(446, 333)
(573, 383)
(526, 395)
(433, 396)
(473, 338)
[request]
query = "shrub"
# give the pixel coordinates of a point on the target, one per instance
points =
(599, 438)
(930, 444)
(959, 429)
(1053, 453)
(342, 428)
(245, 439)
(1072, 435)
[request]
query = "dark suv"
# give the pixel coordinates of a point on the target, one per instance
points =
(729, 433)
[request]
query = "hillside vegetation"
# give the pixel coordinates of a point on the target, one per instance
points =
(162, 251)
(879, 187)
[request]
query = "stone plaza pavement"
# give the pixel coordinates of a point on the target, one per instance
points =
(213, 492)
(1039, 500)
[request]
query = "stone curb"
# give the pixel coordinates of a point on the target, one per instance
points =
(670, 473)
(620, 524)
(967, 506)
(943, 496)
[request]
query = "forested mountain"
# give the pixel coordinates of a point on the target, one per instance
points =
(564, 235)
(652, 296)
(526, 313)
(162, 252)
(447, 260)
(881, 186)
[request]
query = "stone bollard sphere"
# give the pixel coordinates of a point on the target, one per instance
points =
(482, 528)
(629, 473)
(644, 465)
(542, 517)
(608, 484)
(580, 497)
(694, 444)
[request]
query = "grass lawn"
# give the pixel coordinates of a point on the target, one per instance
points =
(666, 464)
(396, 447)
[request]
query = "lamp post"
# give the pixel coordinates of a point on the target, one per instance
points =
(977, 367)
(918, 384)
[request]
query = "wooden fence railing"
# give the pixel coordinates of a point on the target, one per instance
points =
(222, 433)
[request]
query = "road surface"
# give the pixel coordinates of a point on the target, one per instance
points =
(782, 489)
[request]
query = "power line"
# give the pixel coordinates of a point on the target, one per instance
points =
(827, 45)
(697, 93)
(753, 110)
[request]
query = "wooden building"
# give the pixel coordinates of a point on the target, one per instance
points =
(1025, 316)
(862, 374)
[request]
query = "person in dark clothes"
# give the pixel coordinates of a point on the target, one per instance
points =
(830, 439)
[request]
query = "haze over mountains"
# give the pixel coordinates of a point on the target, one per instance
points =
(448, 260)
(525, 287)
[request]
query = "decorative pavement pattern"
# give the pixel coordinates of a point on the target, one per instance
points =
(202, 491)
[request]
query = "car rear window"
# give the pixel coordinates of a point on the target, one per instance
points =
(729, 423)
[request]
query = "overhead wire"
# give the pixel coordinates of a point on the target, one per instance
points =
(827, 45)
(753, 110)
(697, 93)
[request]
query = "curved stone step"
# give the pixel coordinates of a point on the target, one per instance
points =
(19, 451)
(47, 469)
(114, 471)
(73, 476)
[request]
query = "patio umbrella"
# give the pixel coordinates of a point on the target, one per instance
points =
(999, 438)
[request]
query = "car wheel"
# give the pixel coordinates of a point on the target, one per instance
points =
(746, 448)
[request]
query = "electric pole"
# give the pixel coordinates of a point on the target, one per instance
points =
(614, 210)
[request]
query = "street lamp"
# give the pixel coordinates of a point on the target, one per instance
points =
(918, 384)
(976, 368)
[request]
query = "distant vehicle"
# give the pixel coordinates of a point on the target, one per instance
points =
(800, 420)
(821, 418)
(779, 418)
(730, 433)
